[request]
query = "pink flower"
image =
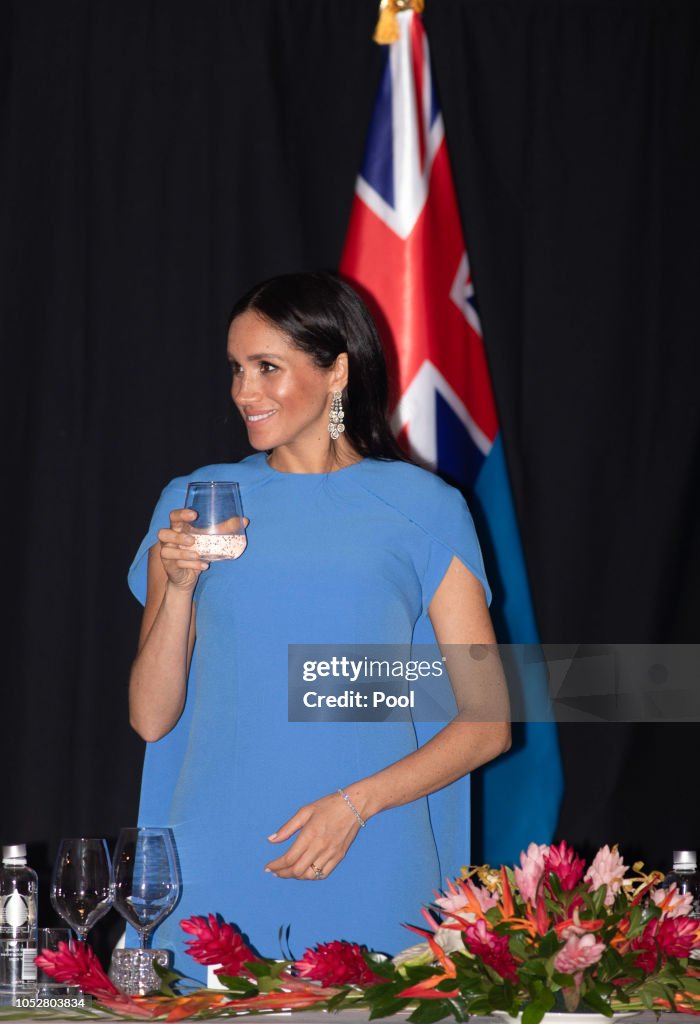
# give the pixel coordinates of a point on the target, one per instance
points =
(491, 948)
(606, 869)
(579, 952)
(337, 963)
(216, 943)
(77, 965)
(456, 899)
(672, 902)
(564, 863)
(531, 871)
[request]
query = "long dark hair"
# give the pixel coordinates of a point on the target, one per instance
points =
(323, 316)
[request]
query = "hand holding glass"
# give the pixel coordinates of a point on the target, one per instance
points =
(80, 885)
(146, 879)
(219, 529)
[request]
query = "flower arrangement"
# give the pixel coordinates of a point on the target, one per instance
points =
(550, 933)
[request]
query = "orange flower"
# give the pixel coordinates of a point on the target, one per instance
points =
(426, 989)
(508, 908)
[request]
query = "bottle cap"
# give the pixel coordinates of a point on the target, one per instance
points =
(685, 859)
(16, 852)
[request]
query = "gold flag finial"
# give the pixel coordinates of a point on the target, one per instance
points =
(387, 29)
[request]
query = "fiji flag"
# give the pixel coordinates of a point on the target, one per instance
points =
(406, 250)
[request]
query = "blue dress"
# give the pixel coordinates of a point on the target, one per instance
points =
(353, 556)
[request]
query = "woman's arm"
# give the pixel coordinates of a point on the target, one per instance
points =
(158, 681)
(459, 615)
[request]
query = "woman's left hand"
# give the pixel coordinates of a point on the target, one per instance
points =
(326, 830)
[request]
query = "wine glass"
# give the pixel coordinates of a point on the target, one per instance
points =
(219, 529)
(80, 884)
(145, 878)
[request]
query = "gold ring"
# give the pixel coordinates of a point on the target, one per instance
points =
(317, 871)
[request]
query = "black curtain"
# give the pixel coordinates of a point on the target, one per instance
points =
(158, 158)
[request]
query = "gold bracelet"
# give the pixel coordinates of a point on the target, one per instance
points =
(352, 807)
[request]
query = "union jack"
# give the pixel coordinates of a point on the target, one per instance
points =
(405, 247)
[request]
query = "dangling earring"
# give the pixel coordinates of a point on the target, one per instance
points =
(336, 416)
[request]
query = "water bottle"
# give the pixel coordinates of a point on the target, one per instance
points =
(686, 877)
(18, 923)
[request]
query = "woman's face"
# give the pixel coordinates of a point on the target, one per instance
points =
(281, 394)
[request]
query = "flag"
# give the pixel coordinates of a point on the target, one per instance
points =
(406, 250)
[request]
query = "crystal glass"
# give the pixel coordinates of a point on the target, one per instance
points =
(133, 973)
(80, 885)
(145, 878)
(219, 529)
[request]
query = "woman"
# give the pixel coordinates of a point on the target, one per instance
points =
(347, 544)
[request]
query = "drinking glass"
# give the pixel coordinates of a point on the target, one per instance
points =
(145, 878)
(218, 530)
(80, 885)
(46, 986)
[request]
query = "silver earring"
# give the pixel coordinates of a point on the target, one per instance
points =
(336, 416)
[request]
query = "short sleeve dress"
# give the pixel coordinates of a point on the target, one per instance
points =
(353, 556)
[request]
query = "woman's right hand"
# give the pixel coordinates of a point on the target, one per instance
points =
(181, 562)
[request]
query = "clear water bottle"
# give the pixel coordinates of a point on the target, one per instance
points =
(18, 923)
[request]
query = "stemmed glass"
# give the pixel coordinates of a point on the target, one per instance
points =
(80, 884)
(145, 878)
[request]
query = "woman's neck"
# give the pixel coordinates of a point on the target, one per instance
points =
(337, 455)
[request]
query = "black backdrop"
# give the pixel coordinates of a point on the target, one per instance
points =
(158, 158)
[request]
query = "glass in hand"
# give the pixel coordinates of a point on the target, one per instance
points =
(146, 878)
(218, 530)
(80, 884)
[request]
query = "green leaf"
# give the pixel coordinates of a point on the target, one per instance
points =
(268, 968)
(269, 984)
(387, 1007)
(655, 988)
(428, 1011)
(519, 946)
(533, 968)
(335, 1002)
(168, 979)
(481, 1006)
(238, 986)
(535, 1011)
(458, 1010)
(493, 975)
(597, 1003)
(549, 945)
(598, 900)
(636, 922)
(611, 965)
(384, 968)
(555, 885)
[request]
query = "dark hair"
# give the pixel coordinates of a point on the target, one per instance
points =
(323, 316)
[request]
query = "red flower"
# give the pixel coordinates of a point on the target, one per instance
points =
(676, 935)
(491, 948)
(671, 936)
(337, 963)
(568, 868)
(216, 943)
(77, 965)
